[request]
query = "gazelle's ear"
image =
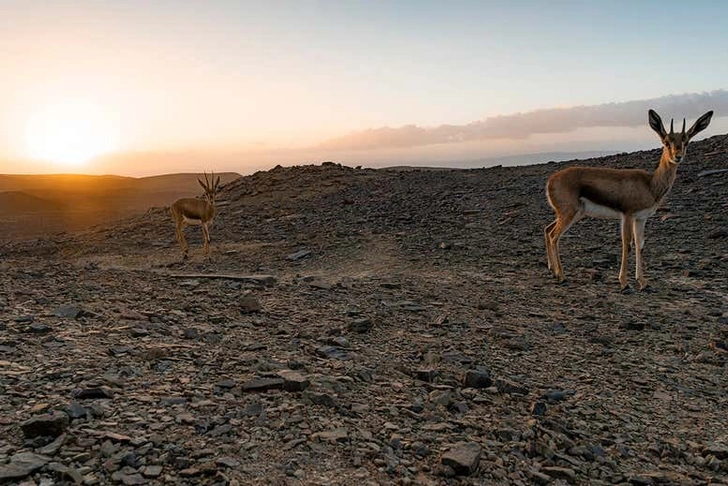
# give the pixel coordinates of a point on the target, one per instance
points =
(656, 124)
(700, 124)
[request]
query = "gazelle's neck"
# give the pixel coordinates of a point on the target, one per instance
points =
(664, 177)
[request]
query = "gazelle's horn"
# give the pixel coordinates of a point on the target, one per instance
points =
(683, 130)
(671, 129)
(207, 182)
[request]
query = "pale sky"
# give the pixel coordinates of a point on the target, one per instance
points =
(242, 84)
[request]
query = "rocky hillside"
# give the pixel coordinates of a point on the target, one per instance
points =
(357, 326)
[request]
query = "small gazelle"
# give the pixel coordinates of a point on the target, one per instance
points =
(194, 211)
(631, 195)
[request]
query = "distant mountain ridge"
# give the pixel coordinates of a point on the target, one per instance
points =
(35, 205)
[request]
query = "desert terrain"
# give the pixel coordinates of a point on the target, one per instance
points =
(44, 205)
(361, 326)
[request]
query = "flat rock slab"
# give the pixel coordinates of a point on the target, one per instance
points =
(463, 458)
(338, 434)
(68, 312)
(22, 465)
(263, 384)
(50, 424)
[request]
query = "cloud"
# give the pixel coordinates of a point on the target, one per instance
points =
(523, 125)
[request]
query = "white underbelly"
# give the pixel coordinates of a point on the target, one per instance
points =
(595, 210)
(193, 222)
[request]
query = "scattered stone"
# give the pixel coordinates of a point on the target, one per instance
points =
(427, 375)
(557, 395)
(333, 352)
(361, 325)
(93, 393)
(127, 479)
(560, 473)
(538, 409)
(22, 465)
(47, 425)
(298, 255)
(477, 379)
(339, 434)
(505, 386)
(263, 384)
(463, 458)
(716, 449)
(38, 328)
(293, 381)
(66, 473)
(68, 312)
(226, 384)
(52, 448)
(153, 471)
(249, 304)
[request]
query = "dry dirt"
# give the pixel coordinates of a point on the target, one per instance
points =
(408, 332)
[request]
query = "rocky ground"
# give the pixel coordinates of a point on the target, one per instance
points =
(358, 326)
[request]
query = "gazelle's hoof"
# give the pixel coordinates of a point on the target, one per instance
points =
(626, 290)
(647, 289)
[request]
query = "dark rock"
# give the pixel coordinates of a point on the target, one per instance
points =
(505, 386)
(298, 255)
(560, 473)
(263, 384)
(152, 471)
(249, 304)
(68, 311)
(333, 352)
(477, 379)
(226, 384)
(168, 401)
(254, 409)
(52, 448)
(47, 425)
(538, 409)
(319, 399)
(427, 375)
(463, 458)
(127, 479)
(22, 465)
(557, 395)
(38, 328)
(93, 393)
(361, 325)
(293, 381)
(191, 333)
(66, 474)
(716, 449)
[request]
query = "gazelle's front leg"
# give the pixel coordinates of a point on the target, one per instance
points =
(626, 240)
(639, 243)
(206, 237)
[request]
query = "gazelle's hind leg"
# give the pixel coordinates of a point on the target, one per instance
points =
(179, 231)
(547, 238)
(561, 225)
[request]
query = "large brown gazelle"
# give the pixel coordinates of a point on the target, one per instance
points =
(194, 211)
(631, 195)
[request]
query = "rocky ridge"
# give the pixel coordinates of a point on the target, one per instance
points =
(358, 326)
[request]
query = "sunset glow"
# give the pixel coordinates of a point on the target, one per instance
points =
(249, 85)
(69, 134)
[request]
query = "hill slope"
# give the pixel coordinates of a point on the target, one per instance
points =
(383, 289)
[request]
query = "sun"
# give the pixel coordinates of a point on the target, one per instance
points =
(69, 134)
